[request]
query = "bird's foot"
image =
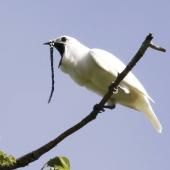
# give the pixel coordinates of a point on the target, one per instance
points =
(98, 108)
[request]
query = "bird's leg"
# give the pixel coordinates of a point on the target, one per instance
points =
(98, 108)
(111, 107)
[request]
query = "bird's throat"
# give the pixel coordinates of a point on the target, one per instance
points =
(61, 49)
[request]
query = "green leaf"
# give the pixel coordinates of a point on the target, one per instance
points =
(6, 160)
(58, 163)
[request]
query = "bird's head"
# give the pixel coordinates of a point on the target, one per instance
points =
(62, 43)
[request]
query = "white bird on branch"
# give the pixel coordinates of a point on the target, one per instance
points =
(96, 69)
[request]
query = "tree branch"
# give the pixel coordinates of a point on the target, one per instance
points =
(156, 47)
(36, 154)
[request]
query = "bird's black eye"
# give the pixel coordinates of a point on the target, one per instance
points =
(63, 39)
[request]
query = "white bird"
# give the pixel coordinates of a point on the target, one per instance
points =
(96, 69)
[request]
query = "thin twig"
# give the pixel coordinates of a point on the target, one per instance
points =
(36, 154)
(156, 47)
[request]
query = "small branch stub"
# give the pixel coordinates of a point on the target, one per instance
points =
(156, 47)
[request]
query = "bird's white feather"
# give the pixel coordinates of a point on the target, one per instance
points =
(138, 97)
(96, 69)
(108, 62)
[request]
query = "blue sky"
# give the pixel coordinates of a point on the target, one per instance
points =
(119, 139)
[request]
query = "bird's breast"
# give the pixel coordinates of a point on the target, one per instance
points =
(76, 70)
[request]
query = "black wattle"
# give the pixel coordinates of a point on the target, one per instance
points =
(61, 49)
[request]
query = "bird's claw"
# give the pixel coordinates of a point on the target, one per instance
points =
(98, 108)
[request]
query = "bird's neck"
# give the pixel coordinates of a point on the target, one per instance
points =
(73, 56)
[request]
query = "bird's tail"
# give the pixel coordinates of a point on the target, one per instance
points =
(153, 119)
(151, 116)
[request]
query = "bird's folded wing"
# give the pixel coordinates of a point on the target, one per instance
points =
(108, 62)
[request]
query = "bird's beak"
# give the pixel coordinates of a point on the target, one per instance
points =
(59, 46)
(47, 43)
(50, 43)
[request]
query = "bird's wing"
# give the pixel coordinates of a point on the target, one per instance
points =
(113, 65)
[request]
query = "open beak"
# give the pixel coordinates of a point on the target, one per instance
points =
(50, 43)
(59, 46)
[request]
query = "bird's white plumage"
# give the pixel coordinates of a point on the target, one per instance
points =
(96, 69)
(110, 63)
